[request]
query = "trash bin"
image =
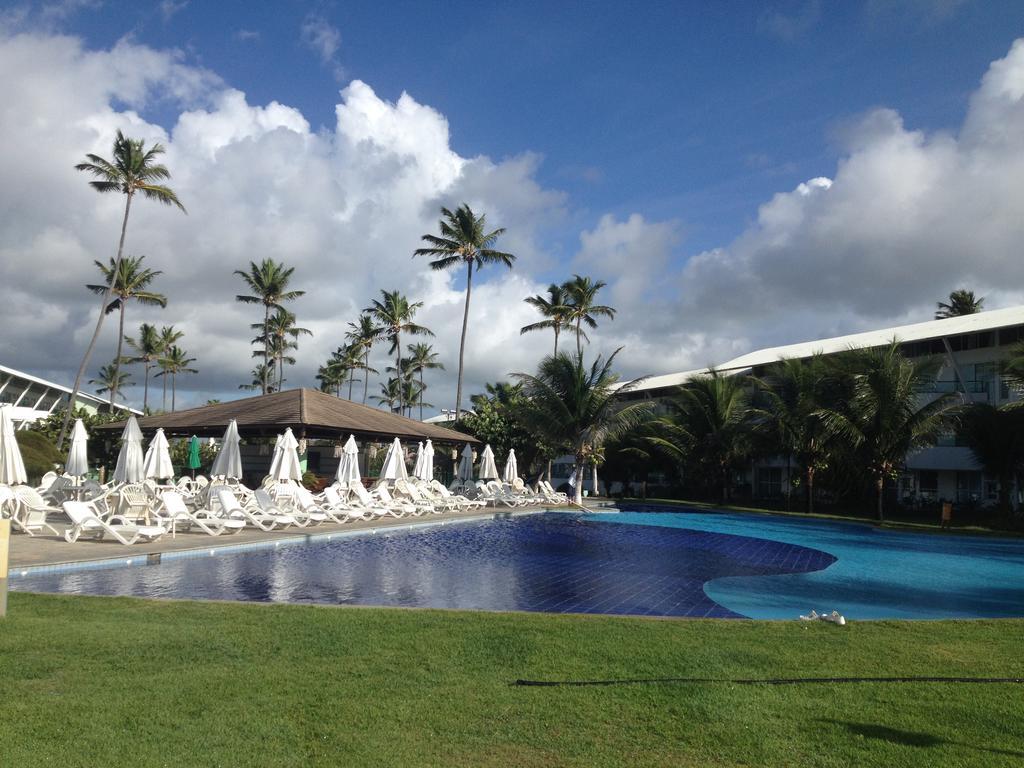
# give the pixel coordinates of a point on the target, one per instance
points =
(947, 513)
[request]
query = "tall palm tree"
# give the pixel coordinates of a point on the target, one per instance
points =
(465, 240)
(794, 394)
(111, 380)
(961, 302)
(422, 357)
(279, 335)
(175, 361)
(148, 348)
(169, 336)
(131, 281)
(580, 295)
(361, 336)
(393, 315)
(268, 282)
(575, 407)
(552, 308)
(710, 426)
(996, 438)
(883, 420)
(133, 170)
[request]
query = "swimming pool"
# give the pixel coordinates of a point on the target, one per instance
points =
(654, 563)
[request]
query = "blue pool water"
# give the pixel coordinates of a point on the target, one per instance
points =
(696, 564)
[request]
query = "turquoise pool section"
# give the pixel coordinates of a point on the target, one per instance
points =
(877, 573)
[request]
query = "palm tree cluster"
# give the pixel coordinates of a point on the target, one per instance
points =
(961, 302)
(571, 305)
(850, 419)
(277, 336)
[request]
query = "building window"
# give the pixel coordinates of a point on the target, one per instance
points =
(928, 484)
(769, 482)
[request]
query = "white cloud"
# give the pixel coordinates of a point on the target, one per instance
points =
(324, 39)
(171, 8)
(904, 218)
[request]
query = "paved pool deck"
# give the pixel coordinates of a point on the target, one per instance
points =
(45, 550)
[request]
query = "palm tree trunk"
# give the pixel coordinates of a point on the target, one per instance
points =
(366, 376)
(579, 342)
(99, 326)
(593, 467)
(351, 379)
(174, 392)
(810, 489)
(398, 369)
(145, 389)
(163, 402)
(117, 357)
(268, 365)
(577, 489)
(421, 394)
(556, 342)
(462, 343)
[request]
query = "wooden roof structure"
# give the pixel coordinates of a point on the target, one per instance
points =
(309, 412)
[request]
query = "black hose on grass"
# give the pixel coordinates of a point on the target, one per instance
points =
(770, 681)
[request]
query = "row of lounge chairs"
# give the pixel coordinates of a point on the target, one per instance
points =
(130, 513)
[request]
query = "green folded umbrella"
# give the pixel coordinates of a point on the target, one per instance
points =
(194, 459)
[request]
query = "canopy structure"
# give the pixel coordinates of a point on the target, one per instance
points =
(308, 412)
(78, 459)
(12, 467)
(488, 469)
(130, 461)
(157, 464)
(229, 460)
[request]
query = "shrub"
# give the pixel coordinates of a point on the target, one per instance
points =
(38, 453)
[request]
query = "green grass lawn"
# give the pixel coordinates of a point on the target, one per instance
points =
(117, 681)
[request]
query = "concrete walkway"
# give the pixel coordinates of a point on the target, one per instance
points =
(45, 550)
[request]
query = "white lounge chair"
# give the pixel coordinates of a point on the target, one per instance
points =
(341, 511)
(383, 494)
(426, 492)
(407, 492)
(254, 516)
(304, 516)
(86, 521)
(29, 511)
(463, 501)
(173, 509)
(374, 503)
(550, 494)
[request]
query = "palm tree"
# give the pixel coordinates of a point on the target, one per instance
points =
(422, 357)
(390, 394)
(575, 407)
(111, 380)
(334, 373)
(169, 336)
(279, 335)
(552, 308)
(148, 349)
(133, 170)
(710, 425)
(580, 294)
(961, 302)
(996, 438)
(361, 336)
(260, 375)
(795, 393)
(175, 361)
(268, 282)
(394, 316)
(464, 240)
(1012, 370)
(130, 281)
(883, 419)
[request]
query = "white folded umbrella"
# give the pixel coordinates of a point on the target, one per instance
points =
(428, 462)
(157, 464)
(229, 459)
(130, 461)
(511, 467)
(394, 463)
(285, 465)
(348, 465)
(12, 467)
(78, 455)
(465, 472)
(488, 469)
(418, 469)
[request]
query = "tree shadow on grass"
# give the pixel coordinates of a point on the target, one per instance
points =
(912, 738)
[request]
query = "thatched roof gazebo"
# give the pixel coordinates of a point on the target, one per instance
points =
(310, 414)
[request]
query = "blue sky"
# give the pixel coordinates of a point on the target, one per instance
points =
(741, 175)
(690, 110)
